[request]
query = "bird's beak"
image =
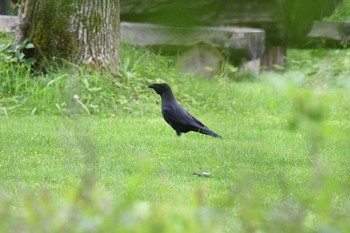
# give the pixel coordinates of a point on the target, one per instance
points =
(151, 86)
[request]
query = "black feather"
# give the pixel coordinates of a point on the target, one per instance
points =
(176, 116)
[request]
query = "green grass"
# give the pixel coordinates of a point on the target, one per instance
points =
(341, 13)
(282, 166)
(264, 176)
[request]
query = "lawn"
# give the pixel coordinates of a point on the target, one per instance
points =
(110, 163)
(278, 168)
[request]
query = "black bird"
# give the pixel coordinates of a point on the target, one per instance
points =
(176, 116)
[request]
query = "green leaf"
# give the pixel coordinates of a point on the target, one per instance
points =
(29, 46)
(29, 62)
(3, 47)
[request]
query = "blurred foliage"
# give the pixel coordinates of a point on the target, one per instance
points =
(341, 13)
(287, 22)
(320, 68)
(91, 208)
(298, 16)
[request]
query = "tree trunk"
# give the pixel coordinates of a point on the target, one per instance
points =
(81, 31)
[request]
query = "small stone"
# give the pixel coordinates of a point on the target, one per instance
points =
(205, 174)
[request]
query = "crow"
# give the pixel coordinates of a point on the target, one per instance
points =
(176, 116)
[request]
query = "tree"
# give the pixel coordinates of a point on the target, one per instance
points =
(81, 31)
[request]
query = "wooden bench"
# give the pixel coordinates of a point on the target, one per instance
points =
(339, 31)
(8, 23)
(208, 45)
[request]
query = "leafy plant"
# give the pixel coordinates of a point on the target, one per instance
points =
(16, 54)
(341, 13)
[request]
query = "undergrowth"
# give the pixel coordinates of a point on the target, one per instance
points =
(27, 92)
(58, 89)
(341, 13)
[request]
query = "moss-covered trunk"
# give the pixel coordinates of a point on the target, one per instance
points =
(81, 31)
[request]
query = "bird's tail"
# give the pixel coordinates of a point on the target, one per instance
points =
(209, 132)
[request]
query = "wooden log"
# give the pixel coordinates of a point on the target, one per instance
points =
(8, 23)
(250, 39)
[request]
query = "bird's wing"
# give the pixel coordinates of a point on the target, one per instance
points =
(171, 115)
(178, 115)
(195, 120)
(181, 121)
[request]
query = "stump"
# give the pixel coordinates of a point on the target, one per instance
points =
(201, 61)
(274, 57)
